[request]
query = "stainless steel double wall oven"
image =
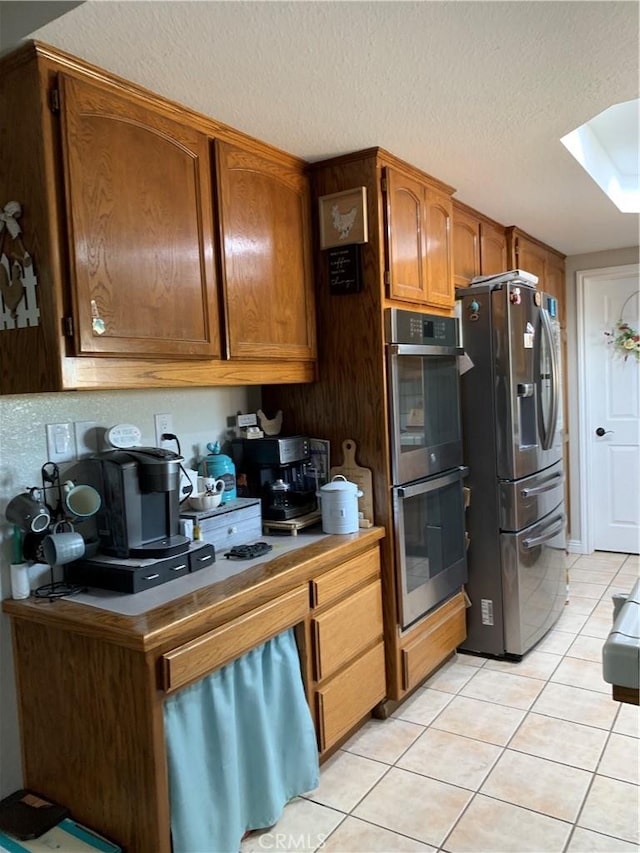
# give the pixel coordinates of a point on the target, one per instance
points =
(426, 460)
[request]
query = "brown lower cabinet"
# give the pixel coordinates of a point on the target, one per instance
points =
(92, 683)
(348, 647)
(342, 700)
(431, 643)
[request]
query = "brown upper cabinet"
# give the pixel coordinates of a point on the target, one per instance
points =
(266, 256)
(419, 236)
(479, 245)
(493, 248)
(169, 250)
(527, 253)
(138, 210)
(554, 281)
(466, 246)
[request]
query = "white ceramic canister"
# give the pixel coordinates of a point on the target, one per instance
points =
(339, 505)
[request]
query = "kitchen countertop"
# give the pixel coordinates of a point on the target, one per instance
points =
(132, 604)
(206, 599)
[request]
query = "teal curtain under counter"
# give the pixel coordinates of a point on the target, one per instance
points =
(240, 745)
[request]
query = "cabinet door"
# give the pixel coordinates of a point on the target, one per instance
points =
(532, 258)
(493, 249)
(466, 247)
(555, 283)
(433, 641)
(266, 256)
(350, 696)
(139, 216)
(439, 210)
(407, 246)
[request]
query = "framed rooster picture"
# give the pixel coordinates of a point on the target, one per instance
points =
(343, 218)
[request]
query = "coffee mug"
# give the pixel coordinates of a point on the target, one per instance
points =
(82, 501)
(211, 485)
(62, 548)
(28, 512)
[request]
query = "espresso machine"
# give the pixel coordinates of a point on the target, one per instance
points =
(274, 468)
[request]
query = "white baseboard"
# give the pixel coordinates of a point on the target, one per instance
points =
(576, 546)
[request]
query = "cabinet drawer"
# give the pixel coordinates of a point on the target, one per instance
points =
(348, 697)
(340, 580)
(442, 632)
(209, 652)
(344, 630)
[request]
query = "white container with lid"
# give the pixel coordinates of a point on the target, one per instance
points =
(339, 506)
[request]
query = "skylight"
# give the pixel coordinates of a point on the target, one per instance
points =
(606, 146)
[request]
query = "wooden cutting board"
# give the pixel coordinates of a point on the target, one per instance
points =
(358, 475)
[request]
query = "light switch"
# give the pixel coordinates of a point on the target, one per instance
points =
(61, 443)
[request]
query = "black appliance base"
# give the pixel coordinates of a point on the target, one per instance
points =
(133, 575)
(168, 546)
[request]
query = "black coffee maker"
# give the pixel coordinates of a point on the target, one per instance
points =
(275, 471)
(140, 491)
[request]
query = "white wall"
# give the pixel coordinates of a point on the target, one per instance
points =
(17, 20)
(199, 416)
(573, 264)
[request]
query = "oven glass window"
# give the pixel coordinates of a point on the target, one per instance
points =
(433, 534)
(428, 401)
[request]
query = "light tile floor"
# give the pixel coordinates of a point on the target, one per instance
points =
(489, 755)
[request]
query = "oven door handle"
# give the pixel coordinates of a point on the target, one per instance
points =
(431, 484)
(549, 533)
(421, 349)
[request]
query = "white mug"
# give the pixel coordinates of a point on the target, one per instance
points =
(210, 484)
(82, 501)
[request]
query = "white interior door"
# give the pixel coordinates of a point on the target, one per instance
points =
(611, 422)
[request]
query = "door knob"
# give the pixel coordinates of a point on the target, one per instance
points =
(602, 431)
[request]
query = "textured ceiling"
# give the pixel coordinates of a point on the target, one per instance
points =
(477, 94)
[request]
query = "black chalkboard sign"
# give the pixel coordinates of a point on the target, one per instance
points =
(345, 272)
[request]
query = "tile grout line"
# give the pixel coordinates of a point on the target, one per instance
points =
(609, 730)
(442, 847)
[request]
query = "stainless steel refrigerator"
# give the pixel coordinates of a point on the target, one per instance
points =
(513, 439)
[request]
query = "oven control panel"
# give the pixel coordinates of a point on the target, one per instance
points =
(412, 327)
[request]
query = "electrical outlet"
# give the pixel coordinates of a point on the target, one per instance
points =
(164, 424)
(61, 443)
(87, 438)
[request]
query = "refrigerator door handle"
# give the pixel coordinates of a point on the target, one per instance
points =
(550, 428)
(549, 533)
(552, 483)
